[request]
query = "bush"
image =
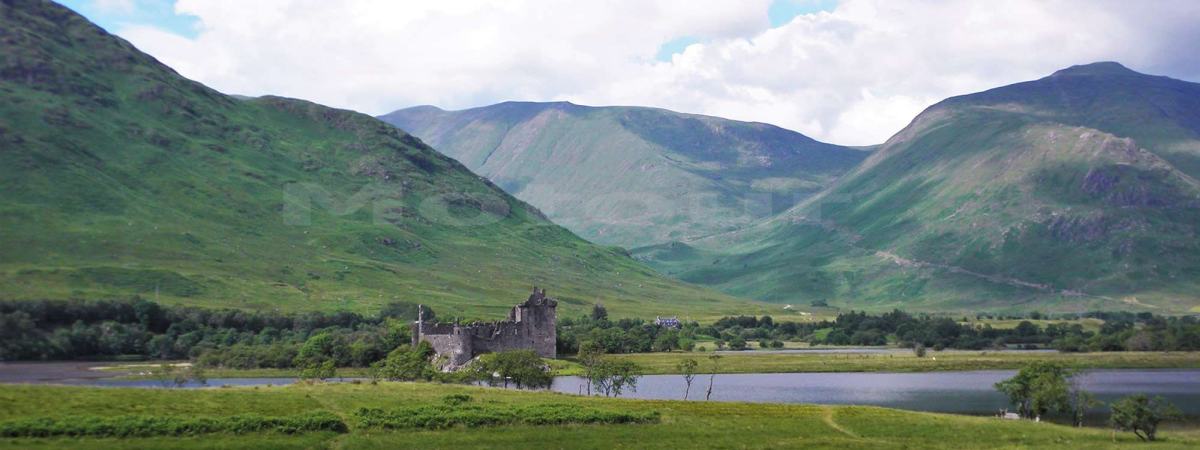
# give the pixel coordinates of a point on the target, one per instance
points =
(318, 371)
(147, 425)
(737, 343)
(476, 415)
(1141, 415)
(456, 399)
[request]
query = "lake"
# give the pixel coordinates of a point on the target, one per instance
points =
(962, 392)
(965, 392)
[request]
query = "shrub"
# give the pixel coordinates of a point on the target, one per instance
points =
(1141, 415)
(456, 399)
(477, 415)
(147, 425)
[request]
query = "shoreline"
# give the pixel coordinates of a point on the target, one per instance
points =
(42, 372)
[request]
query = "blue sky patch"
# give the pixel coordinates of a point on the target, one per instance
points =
(115, 15)
(783, 11)
(779, 13)
(674, 46)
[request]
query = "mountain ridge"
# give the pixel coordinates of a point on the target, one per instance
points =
(1073, 191)
(629, 175)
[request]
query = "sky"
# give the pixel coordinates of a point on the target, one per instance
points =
(850, 72)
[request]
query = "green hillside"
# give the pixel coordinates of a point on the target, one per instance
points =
(633, 176)
(119, 178)
(1071, 192)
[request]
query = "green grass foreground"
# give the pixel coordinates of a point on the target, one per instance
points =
(680, 424)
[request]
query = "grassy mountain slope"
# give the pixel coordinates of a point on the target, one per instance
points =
(633, 176)
(1074, 191)
(120, 177)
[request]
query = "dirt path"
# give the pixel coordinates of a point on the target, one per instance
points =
(827, 417)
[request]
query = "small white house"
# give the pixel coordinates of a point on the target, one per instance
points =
(667, 322)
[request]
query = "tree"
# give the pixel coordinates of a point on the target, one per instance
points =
(323, 347)
(318, 371)
(919, 350)
(716, 359)
(590, 356)
(1038, 388)
(522, 367)
(687, 367)
(164, 373)
(1081, 401)
(193, 372)
(599, 312)
(406, 363)
(1141, 415)
(737, 343)
(611, 377)
(666, 341)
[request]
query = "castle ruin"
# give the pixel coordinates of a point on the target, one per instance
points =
(530, 326)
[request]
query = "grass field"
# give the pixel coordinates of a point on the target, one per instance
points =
(681, 424)
(1088, 324)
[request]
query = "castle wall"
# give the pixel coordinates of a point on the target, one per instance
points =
(530, 326)
(455, 346)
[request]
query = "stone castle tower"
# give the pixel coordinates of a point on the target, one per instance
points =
(530, 326)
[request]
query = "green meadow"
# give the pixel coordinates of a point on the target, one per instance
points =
(672, 423)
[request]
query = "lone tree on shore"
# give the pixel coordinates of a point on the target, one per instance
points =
(716, 359)
(590, 355)
(1081, 401)
(1038, 388)
(612, 377)
(1141, 415)
(687, 367)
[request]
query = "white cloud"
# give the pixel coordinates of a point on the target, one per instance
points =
(853, 76)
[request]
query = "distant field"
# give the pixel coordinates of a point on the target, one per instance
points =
(681, 424)
(1092, 325)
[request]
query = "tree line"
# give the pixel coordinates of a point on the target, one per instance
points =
(1120, 331)
(140, 329)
